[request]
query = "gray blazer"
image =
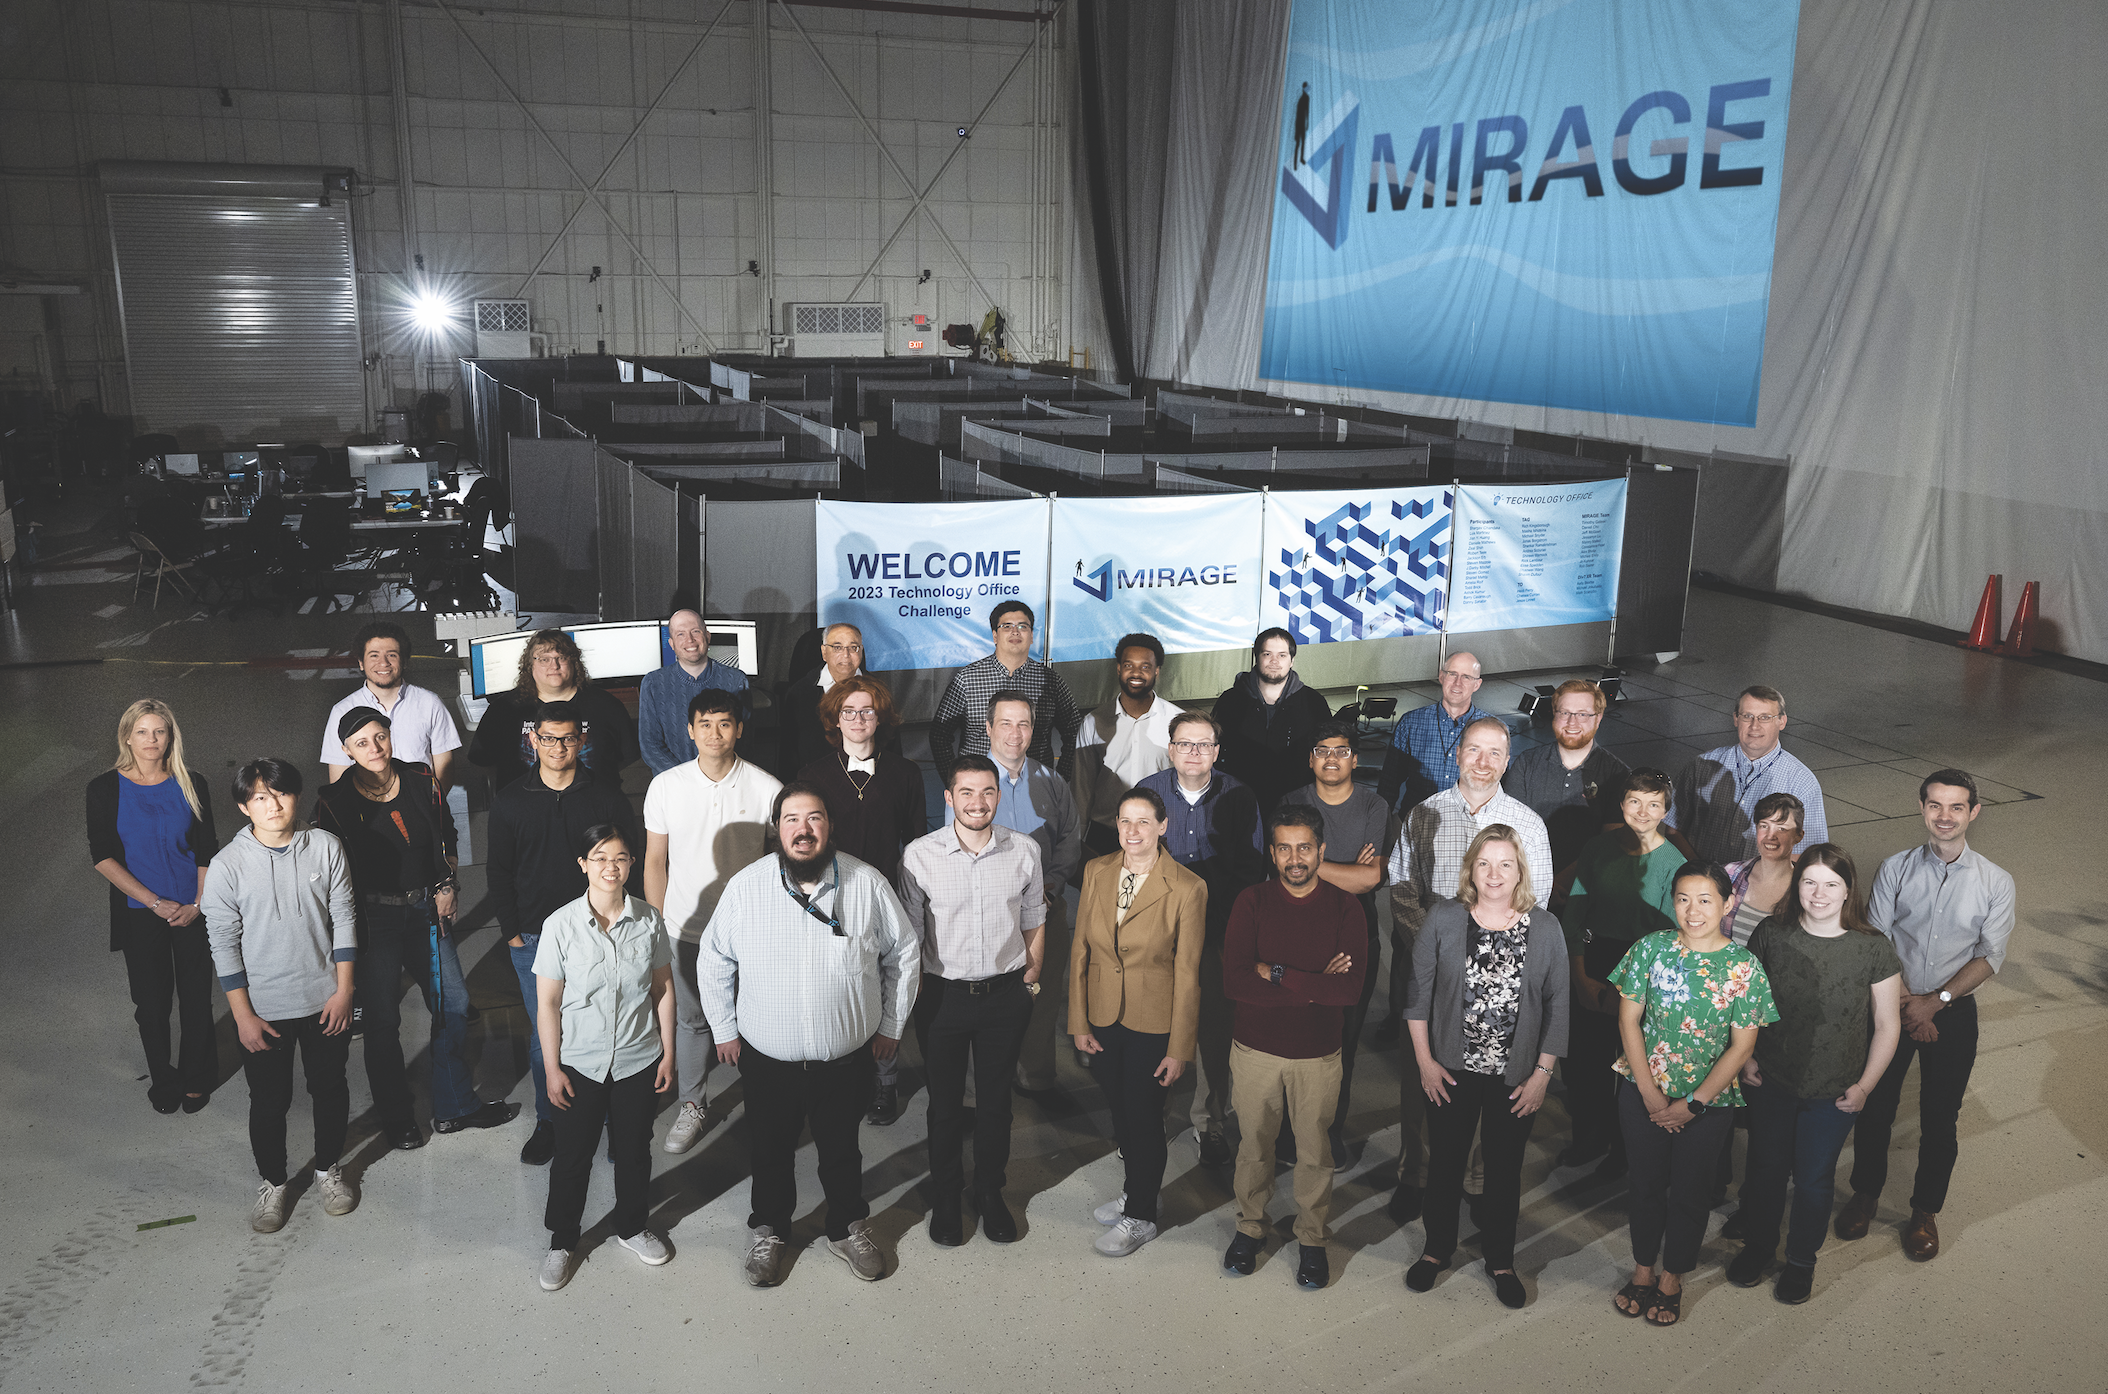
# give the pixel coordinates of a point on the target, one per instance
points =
(1436, 993)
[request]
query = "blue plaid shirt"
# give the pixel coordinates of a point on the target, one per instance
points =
(1717, 794)
(1423, 756)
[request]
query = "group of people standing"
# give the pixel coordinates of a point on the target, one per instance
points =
(1682, 954)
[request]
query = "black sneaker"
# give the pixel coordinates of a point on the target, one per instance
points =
(495, 1114)
(1313, 1272)
(1215, 1150)
(1746, 1269)
(1795, 1282)
(1242, 1256)
(885, 1106)
(541, 1146)
(404, 1139)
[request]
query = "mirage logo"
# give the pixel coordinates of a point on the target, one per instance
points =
(1331, 145)
(1100, 582)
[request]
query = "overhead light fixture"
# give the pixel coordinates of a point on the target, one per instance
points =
(431, 314)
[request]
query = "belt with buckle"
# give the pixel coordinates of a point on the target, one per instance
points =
(981, 987)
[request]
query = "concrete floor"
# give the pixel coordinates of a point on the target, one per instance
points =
(429, 1283)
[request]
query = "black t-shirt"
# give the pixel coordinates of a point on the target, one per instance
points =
(390, 844)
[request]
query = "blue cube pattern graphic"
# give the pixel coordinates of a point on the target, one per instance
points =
(1373, 570)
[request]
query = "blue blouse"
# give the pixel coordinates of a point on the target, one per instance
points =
(154, 822)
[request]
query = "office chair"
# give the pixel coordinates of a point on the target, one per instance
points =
(1370, 715)
(326, 546)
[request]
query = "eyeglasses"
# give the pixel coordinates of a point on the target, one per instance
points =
(1575, 716)
(841, 648)
(619, 859)
(1192, 747)
(1758, 718)
(554, 659)
(1332, 752)
(859, 714)
(1013, 627)
(557, 742)
(1451, 675)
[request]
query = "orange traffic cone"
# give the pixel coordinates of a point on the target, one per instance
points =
(2020, 639)
(1984, 633)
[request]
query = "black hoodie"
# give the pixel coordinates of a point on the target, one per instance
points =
(1269, 747)
(534, 845)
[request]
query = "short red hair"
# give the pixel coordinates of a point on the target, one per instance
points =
(831, 705)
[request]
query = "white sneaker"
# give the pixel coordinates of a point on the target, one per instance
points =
(338, 1197)
(1125, 1237)
(688, 1125)
(1110, 1212)
(860, 1252)
(556, 1269)
(268, 1217)
(647, 1246)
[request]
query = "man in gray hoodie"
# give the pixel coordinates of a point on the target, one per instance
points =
(282, 920)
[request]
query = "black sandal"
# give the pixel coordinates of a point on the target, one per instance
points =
(1670, 1302)
(1637, 1293)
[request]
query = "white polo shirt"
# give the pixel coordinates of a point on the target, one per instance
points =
(420, 726)
(712, 831)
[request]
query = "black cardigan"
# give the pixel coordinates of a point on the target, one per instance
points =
(105, 845)
(891, 814)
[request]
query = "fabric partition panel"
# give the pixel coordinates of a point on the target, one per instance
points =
(555, 498)
(1533, 555)
(654, 546)
(1654, 575)
(1357, 564)
(758, 564)
(616, 537)
(920, 581)
(1183, 569)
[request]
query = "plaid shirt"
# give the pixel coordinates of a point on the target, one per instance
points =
(1423, 754)
(974, 910)
(1717, 793)
(1427, 865)
(961, 724)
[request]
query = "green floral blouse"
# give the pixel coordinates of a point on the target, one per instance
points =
(1692, 1003)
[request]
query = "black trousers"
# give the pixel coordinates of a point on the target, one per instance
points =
(1477, 1104)
(1126, 1071)
(270, 1075)
(168, 967)
(1671, 1177)
(626, 1107)
(1350, 1036)
(1944, 1067)
(952, 1024)
(785, 1097)
(1592, 1045)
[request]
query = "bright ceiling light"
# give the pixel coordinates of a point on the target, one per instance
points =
(431, 314)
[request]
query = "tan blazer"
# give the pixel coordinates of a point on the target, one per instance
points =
(1145, 974)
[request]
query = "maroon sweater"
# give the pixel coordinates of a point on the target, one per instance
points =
(1301, 1017)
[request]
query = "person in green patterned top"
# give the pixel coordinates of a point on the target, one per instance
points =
(1693, 1002)
(1839, 989)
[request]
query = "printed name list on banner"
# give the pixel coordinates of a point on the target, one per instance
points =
(1183, 569)
(1357, 564)
(1536, 555)
(919, 581)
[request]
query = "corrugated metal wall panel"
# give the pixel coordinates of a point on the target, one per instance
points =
(240, 314)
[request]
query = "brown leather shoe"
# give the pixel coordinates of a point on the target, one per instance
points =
(1852, 1221)
(1921, 1237)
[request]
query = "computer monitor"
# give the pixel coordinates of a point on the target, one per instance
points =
(620, 651)
(384, 476)
(180, 464)
(363, 456)
(233, 460)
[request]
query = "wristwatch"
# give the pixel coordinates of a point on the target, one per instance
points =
(1280, 971)
(1032, 988)
(1945, 997)
(1697, 1108)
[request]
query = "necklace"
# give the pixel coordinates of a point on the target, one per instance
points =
(859, 780)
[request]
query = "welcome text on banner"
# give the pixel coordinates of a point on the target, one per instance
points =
(920, 579)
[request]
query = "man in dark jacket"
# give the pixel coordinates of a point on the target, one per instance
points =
(536, 823)
(1270, 720)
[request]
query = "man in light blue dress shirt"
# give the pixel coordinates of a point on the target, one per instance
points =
(1037, 802)
(1716, 795)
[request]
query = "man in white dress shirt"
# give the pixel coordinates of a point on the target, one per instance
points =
(420, 727)
(808, 973)
(1122, 741)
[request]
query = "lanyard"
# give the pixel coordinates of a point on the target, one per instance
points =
(834, 869)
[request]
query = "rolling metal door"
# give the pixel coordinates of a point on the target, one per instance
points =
(239, 302)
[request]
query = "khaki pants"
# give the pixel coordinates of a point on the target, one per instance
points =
(1050, 1010)
(1263, 1088)
(1214, 1098)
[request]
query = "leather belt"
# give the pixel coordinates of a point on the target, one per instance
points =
(982, 987)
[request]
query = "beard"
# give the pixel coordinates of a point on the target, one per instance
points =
(807, 868)
(1567, 742)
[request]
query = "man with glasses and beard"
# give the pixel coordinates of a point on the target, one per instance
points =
(1574, 784)
(808, 973)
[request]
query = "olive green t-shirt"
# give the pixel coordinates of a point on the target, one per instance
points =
(1619, 896)
(1817, 1047)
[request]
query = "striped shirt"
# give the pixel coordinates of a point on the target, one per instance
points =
(1427, 865)
(961, 724)
(801, 985)
(974, 910)
(1717, 794)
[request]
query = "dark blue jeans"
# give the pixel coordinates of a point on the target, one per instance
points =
(1801, 1137)
(523, 965)
(393, 938)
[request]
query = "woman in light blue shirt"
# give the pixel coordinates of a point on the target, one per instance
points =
(604, 993)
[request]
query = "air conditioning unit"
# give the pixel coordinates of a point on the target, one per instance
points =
(835, 330)
(503, 330)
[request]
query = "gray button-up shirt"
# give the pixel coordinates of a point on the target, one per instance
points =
(609, 1031)
(798, 987)
(1940, 916)
(974, 909)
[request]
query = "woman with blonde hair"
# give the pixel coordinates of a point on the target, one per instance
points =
(1488, 1017)
(150, 836)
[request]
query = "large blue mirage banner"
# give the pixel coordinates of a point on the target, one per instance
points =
(1566, 203)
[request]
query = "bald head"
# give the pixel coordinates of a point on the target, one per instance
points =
(1460, 682)
(842, 649)
(689, 638)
